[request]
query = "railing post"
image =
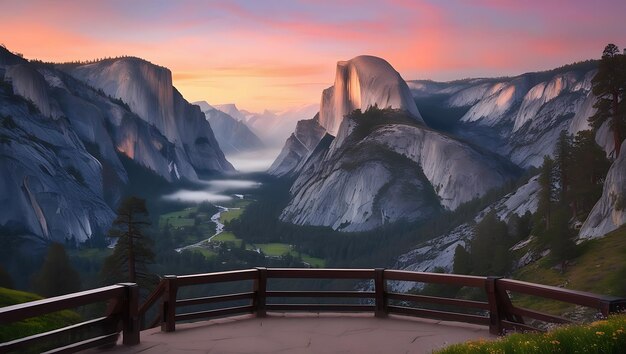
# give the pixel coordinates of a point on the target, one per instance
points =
(130, 319)
(168, 304)
(495, 315)
(260, 288)
(380, 287)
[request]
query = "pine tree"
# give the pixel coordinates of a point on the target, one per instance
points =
(546, 192)
(490, 246)
(588, 170)
(562, 245)
(56, 276)
(462, 261)
(133, 250)
(609, 86)
(563, 163)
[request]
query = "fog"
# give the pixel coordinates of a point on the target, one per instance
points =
(215, 191)
(257, 161)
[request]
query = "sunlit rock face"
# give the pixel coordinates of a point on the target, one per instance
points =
(385, 168)
(360, 83)
(298, 146)
(373, 169)
(62, 143)
(147, 90)
(30, 84)
(609, 213)
(519, 117)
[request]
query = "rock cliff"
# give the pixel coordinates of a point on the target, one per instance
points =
(360, 83)
(609, 213)
(297, 148)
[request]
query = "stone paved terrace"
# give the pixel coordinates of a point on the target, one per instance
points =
(306, 333)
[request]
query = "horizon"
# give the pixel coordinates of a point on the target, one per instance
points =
(278, 55)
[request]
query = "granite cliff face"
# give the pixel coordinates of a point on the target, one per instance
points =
(62, 143)
(519, 118)
(438, 253)
(52, 186)
(382, 165)
(360, 83)
(609, 213)
(297, 148)
(147, 90)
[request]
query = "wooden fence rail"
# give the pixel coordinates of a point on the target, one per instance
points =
(121, 316)
(498, 312)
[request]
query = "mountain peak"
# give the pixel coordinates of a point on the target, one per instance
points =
(363, 82)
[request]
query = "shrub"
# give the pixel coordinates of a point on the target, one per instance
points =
(606, 336)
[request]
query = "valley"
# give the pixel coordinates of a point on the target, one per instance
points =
(475, 176)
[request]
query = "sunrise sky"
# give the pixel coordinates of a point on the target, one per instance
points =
(278, 54)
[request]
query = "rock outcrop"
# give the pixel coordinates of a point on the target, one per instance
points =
(609, 213)
(62, 142)
(360, 83)
(519, 117)
(147, 90)
(438, 253)
(384, 166)
(297, 148)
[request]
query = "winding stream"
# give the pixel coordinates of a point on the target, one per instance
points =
(219, 228)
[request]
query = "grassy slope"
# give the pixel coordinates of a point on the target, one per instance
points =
(31, 325)
(607, 336)
(600, 268)
(230, 215)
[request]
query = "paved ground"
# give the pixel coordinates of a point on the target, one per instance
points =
(306, 333)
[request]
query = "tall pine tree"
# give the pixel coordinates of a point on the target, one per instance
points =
(133, 250)
(609, 86)
(56, 276)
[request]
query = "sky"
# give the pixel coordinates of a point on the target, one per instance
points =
(271, 54)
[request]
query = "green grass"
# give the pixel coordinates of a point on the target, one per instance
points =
(178, 218)
(280, 249)
(230, 215)
(607, 336)
(227, 236)
(314, 261)
(32, 325)
(600, 268)
(274, 249)
(237, 203)
(205, 252)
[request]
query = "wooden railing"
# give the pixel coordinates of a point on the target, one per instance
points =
(497, 312)
(121, 316)
(124, 313)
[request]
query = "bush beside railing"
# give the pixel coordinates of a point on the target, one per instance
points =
(121, 316)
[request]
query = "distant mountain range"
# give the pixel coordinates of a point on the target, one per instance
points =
(376, 150)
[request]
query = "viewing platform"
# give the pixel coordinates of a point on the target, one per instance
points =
(306, 332)
(249, 311)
